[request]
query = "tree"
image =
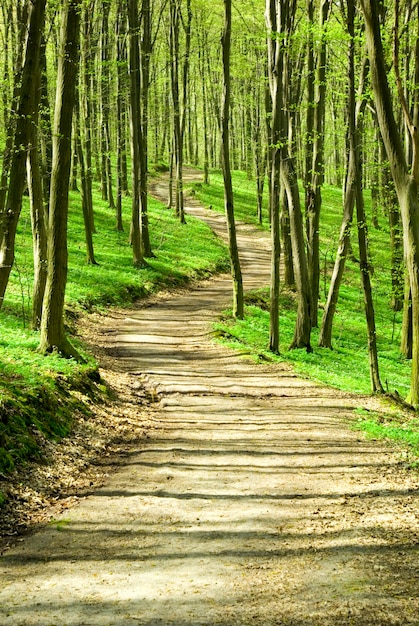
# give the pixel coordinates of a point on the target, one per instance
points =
(53, 335)
(23, 134)
(406, 181)
(228, 189)
(316, 178)
(135, 131)
(273, 16)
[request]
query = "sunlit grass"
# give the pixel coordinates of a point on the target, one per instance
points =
(36, 391)
(346, 367)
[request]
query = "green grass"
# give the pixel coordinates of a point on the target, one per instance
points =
(346, 367)
(394, 426)
(38, 394)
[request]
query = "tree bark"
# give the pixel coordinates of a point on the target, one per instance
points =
(38, 218)
(355, 114)
(238, 304)
(135, 130)
(53, 335)
(146, 50)
(26, 111)
(406, 182)
(314, 188)
(274, 17)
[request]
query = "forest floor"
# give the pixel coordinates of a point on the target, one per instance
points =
(234, 493)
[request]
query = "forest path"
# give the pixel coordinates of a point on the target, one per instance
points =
(251, 501)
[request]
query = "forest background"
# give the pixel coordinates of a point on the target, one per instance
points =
(309, 110)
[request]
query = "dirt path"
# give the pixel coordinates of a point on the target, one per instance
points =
(251, 502)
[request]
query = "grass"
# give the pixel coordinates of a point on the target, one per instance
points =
(346, 367)
(39, 394)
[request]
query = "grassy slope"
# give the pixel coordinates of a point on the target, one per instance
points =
(346, 366)
(36, 392)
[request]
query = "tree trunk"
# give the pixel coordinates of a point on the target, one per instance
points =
(178, 143)
(23, 133)
(52, 326)
(314, 193)
(120, 104)
(135, 130)
(85, 200)
(87, 72)
(38, 219)
(274, 16)
(355, 115)
(406, 183)
(238, 305)
(106, 169)
(146, 49)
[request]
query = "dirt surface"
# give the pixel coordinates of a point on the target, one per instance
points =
(249, 500)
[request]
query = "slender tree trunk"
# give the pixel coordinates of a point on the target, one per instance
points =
(355, 115)
(135, 130)
(146, 50)
(406, 183)
(273, 16)
(238, 304)
(87, 72)
(38, 217)
(52, 326)
(376, 385)
(26, 111)
(178, 144)
(289, 180)
(314, 194)
(120, 100)
(11, 118)
(85, 201)
(45, 128)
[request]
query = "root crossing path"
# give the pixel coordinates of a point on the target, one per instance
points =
(251, 502)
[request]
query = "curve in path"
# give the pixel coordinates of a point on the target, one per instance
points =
(250, 503)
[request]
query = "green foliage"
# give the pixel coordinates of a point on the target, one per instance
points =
(346, 367)
(38, 394)
(245, 205)
(396, 426)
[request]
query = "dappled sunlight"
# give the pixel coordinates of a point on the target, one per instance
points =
(251, 501)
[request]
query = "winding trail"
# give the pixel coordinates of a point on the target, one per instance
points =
(251, 502)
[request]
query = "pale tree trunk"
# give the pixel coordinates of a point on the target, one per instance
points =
(289, 180)
(177, 143)
(314, 194)
(85, 200)
(38, 218)
(238, 304)
(120, 107)
(53, 335)
(274, 17)
(45, 128)
(356, 129)
(406, 182)
(355, 113)
(202, 66)
(11, 117)
(106, 169)
(23, 133)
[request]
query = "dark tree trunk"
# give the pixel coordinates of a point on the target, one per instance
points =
(135, 130)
